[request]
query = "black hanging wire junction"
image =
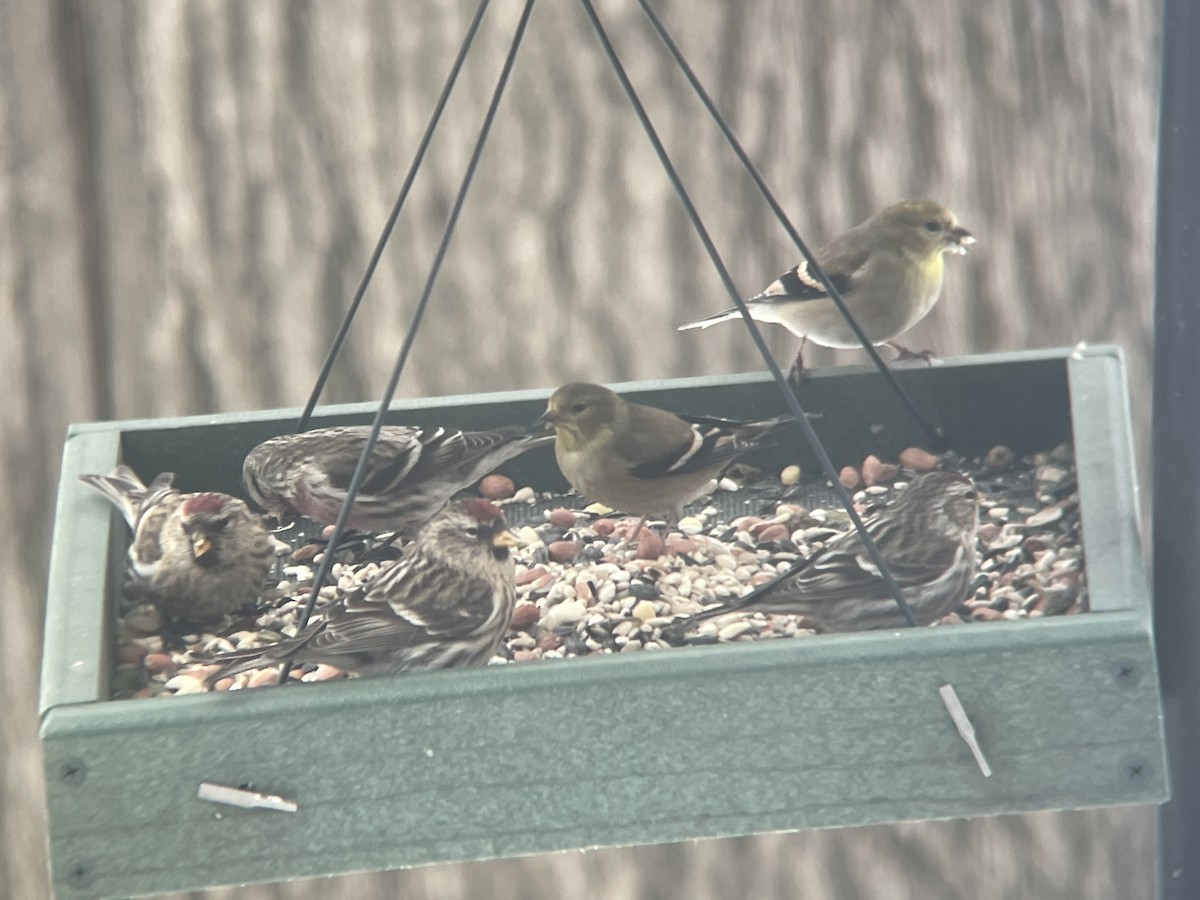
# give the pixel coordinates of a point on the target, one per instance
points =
(789, 394)
(935, 434)
(336, 347)
(356, 480)
(786, 388)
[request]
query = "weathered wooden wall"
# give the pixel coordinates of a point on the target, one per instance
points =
(189, 191)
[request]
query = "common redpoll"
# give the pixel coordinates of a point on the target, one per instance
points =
(926, 537)
(411, 475)
(446, 603)
(641, 459)
(197, 556)
(888, 270)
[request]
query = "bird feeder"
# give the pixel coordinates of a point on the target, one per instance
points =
(158, 795)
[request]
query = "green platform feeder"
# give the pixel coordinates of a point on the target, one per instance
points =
(699, 742)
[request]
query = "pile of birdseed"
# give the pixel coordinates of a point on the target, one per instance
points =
(584, 586)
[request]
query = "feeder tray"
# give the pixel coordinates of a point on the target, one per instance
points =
(831, 730)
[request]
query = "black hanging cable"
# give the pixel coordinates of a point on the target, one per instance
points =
(788, 394)
(356, 480)
(935, 434)
(336, 347)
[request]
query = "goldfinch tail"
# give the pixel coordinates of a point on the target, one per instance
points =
(712, 320)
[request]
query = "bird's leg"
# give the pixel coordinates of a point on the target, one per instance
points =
(623, 535)
(355, 543)
(796, 373)
(380, 551)
(282, 523)
(174, 628)
(903, 353)
(641, 523)
(633, 537)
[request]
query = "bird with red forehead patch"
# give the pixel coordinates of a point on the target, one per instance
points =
(411, 474)
(927, 538)
(446, 603)
(197, 557)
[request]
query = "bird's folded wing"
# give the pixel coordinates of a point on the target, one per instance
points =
(445, 449)
(798, 284)
(373, 631)
(657, 447)
(392, 458)
(425, 601)
(852, 574)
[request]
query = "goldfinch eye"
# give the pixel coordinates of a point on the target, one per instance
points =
(933, 226)
(578, 407)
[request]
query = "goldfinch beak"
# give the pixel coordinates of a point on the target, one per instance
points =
(546, 420)
(507, 538)
(960, 240)
(201, 545)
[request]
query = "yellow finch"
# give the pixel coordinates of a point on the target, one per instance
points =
(888, 270)
(640, 459)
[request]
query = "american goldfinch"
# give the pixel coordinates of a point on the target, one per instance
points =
(640, 459)
(197, 556)
(927, 538)
(888, 270)
(411, 475)
(446, 603)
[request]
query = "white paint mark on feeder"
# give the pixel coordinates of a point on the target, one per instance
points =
(965, 729)
(230, 796)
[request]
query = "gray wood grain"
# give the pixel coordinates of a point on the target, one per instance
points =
(189, 191)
